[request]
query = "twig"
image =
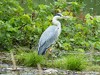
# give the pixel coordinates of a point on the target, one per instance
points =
(13, 61)
(40, 69)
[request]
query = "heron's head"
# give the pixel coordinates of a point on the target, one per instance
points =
(58, 16)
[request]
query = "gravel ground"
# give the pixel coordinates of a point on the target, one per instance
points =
(6, 69)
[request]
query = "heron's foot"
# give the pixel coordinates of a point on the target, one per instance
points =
(50, 51)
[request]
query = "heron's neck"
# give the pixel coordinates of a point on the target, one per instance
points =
(56, 22)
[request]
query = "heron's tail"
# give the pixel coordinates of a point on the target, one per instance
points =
(41, 51)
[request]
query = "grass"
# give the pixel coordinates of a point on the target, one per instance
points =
(93, 68)
(70, 62)
(29, 59)
(77, 63)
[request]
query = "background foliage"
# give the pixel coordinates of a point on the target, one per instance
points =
(22, 22)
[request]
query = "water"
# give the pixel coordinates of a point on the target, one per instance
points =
(91, 6)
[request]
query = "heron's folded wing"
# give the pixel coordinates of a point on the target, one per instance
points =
(48, 37)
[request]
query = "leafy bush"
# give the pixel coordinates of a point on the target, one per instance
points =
(29, 59)
(23, 24)
(80, 34)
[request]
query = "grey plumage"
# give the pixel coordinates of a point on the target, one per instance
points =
(50, 35)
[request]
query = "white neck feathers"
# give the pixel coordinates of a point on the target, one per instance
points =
(56, 22)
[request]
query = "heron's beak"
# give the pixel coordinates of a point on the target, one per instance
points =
(66, 17)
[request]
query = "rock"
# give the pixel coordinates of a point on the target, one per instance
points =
(50, 71)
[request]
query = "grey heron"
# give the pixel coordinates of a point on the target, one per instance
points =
(50, 35)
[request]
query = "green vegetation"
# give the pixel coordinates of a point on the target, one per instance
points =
(29, 58)
(18, 27)
(77, 63)
(70, 62)
(22, 22)
(93, 68)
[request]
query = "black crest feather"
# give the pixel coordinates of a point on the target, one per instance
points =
(58, 14)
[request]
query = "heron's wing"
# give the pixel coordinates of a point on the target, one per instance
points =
(48, 34)
(47, 38)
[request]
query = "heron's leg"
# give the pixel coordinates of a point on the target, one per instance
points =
(50, 54)
(47, 55)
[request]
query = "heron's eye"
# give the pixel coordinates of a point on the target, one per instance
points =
(58, 14)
